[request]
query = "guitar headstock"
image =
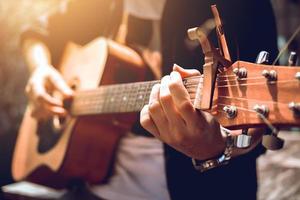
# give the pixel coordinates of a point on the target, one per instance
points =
(246, 88)
(245, 95)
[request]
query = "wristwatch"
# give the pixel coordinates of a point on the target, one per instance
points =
(223, 159)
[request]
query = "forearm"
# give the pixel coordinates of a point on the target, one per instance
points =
(36, 54)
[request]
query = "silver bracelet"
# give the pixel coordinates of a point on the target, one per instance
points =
(223, 159)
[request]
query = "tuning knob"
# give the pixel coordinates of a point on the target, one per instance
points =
(292, 59)
(231, 111)
(297, 76)
(272, 142)
(295, 107)
(262, 57)
(270, 75)
(243, 140)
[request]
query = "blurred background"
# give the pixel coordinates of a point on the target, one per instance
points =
(279, 171)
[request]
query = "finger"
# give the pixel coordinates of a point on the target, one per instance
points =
(40, 95)
(147, 123)
(154, 94)
(47, 112)
(156, 112)
(56, 110)
(166, 101)
(60, 84)
(181, 98)
(186, 72)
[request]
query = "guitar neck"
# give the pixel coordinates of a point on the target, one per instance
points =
(119, 98)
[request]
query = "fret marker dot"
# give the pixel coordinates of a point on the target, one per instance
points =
(124, 98)
(141, 96)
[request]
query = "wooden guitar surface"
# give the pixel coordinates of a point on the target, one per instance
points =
(53, 153)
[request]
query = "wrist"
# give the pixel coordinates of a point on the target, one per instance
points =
(219, 160)
(215, 145)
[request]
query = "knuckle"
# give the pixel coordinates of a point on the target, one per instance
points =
(178, 138)
(156, 86)
(154, 107)
(166, 99)
(173, 129)
(173, 85)
(145, 121)
(185, 106)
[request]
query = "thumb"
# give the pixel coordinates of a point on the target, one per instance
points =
(60, 84)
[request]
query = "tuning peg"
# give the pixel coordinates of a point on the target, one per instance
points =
(262, 57)
(293, 59)
(272, 142)
(243, 140)
(295, 107)
(270, 75)
(231, 111)
(240, 72)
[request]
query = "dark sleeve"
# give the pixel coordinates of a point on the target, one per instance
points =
(249, 28)
(79, 22)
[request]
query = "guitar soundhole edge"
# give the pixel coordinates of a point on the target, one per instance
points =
(49, 134)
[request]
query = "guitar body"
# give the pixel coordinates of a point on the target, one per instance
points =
(58, 151)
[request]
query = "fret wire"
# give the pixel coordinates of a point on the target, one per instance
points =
(119, 97)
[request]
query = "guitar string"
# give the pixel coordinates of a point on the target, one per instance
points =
(260, 116)
(138, 108)
(247, 99)
(93, 92)
(157, 81)
(258, 83)
(84, 94)
(145, 96)
(238, 99)
(239, 108)
(244, 99)
(150, 84)
(243, 108)
(94, 95)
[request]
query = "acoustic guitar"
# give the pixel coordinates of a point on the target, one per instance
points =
(82, 146)
(54, 152)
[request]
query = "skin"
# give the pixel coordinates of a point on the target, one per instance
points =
(44, 80)
(171, 117)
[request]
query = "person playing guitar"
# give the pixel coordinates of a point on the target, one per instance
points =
(139, 170)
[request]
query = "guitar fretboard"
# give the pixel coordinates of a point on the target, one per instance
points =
(119, 98)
